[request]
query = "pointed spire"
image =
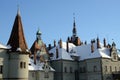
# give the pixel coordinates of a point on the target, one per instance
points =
(57, 53)
(18, 10)
(74, 28)
(17, 39)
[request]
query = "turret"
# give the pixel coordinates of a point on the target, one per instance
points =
(19, 53)
(38, 49)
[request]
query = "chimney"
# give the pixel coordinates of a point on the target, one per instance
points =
(92, 47)
(104, 42)
(68, 39)
(108, 46)
(60, 43)
(67, 46)
(57, 54)
(35, 57)
(98, 43)
(49, 46)
(85, 42)
(54, 43)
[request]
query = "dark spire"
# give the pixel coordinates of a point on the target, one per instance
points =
(17, 39)
(74, 29)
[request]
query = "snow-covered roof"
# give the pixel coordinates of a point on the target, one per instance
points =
(37, 66)
(3, 46)
(83, 51)
(62, 53)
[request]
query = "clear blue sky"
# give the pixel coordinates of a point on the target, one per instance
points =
(55, 19)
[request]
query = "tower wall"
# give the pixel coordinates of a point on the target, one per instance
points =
(18, 66)
(3, 64)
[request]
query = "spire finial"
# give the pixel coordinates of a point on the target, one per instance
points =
(18, 9)
(74, 27)
(74, 19)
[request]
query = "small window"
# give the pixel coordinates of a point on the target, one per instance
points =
(65, 69)
(105, 68)
(33, 74)
(46, 75)
(95, 68)
(110, 68)
(71, 69)
(115, 69)
(1, 69)
(21, 64)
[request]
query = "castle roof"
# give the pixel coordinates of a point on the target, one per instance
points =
(83, 52)
(38, 66)
(17, 40)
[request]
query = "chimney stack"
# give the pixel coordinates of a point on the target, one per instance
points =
(49, 46)
(54, 43)
(98, 43)
(67, 46)
(57, 54)
(104, 42)
(92, 47)
(60, 43)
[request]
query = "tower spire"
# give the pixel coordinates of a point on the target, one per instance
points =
(17, 39)
(74, 27)
(18, 10)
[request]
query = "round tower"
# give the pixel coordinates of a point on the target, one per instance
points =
(18, 53)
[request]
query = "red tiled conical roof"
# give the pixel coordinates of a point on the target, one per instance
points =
(17, 39)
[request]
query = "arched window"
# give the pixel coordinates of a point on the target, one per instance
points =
(21, 64)
(71, 69)
(95, 68)
(65, 69)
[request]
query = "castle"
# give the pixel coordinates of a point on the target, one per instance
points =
(70, 60)
(75, 60)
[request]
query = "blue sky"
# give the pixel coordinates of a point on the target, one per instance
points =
(55, 19)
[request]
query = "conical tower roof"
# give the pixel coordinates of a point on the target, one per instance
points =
(17, 40)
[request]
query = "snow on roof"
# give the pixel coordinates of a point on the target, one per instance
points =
(62, 53)
(3, 46)
(38, 66)
(83, 51)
